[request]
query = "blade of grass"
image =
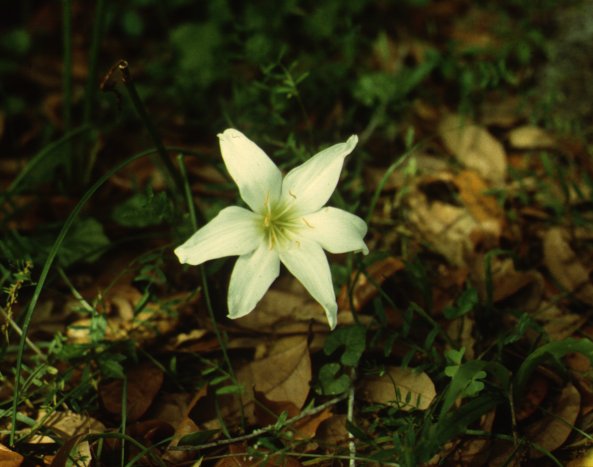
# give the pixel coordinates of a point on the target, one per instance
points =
(67, 82)
(166, 165)
(47, 266)
(219, 336)
(92, 83)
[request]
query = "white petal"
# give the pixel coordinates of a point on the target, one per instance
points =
(253, 171)
(234, 231)
(337, 231)
(308, 263)
(251, 278)
(310, 185)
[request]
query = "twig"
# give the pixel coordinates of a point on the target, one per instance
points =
(261, 431)
(165, 161)
(350, 418)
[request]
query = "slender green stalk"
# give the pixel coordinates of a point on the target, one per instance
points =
(124, 419)
(91, 83)
(165, 163)
(71, 165)
(44, 274)
(67, 72)
(28, 315)
(219, 337)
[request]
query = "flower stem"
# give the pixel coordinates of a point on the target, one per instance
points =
(166, 164)
(219, 337)
(92, 84)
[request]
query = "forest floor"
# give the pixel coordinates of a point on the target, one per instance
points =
(463, 337)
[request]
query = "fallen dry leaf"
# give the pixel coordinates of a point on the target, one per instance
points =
(286, 308)
(447, 225)
(333, 431)
(66, 425)
(144, 382)
(474, 147)
(564, 264)
(402, 387)
(267, 411)
(10, 458)
(238, 458)
(557, 322)
(535, 393)
(515, 288)
(285, 373)
(308, 426)
(475, 451)
(365, 289)
(530, 137)
(553, 429)
(584, 459)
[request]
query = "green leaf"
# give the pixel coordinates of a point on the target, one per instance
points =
(330, 384)
(353, 338)
(144, 210)
(84, 242)
(466, 380)
(552, 351)
(466, 302)
(197, 437)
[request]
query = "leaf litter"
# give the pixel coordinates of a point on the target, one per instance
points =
(480, 255)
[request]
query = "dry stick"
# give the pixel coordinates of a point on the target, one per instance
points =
(165, 161)
(261, 431)
(350, 418)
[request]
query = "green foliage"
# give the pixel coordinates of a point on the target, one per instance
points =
(331, 382)
(352, 338)
(144, 210)
(552, 353)
(464, 304)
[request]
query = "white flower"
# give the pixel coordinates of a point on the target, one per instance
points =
(287, 223)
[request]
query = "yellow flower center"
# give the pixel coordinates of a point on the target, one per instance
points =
(279, 224)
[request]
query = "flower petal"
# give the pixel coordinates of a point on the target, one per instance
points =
(251, 278)
(234, 231)
(310, 185)
(336, 230)
(308, 263)
(253, 171)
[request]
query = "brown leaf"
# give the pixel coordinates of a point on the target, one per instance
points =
(402, 387)
(584, 459)
(366, 289)
(283, 374)
(451, 229)
(553, 429)
(66, 425)
(564, 264)
(10, 458)
(144, 382)
(266, 411)
(474, 147)
(333, 431)
(519, 288)
(238, 458)
(474, 452)
(530, 137)
(536, 392)
(308, 426)
(285, 308)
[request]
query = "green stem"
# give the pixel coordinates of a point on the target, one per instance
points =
(166, 164)
(67, 78)
(219, 337)
(67, 72)
(91, 84)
